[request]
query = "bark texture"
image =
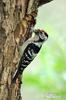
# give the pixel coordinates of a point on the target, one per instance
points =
(16, 19)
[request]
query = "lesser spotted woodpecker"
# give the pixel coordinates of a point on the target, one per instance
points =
(29, 51)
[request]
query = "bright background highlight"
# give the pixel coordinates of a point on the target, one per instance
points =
(45, 77)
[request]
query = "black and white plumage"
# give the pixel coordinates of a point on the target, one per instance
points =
(29, 51)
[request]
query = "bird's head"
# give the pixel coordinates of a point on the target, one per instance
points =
(42, 35)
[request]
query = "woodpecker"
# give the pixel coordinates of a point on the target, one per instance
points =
(29, 51)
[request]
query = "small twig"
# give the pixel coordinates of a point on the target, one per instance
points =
(42, 2)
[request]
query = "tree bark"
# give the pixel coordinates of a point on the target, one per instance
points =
(16, 19)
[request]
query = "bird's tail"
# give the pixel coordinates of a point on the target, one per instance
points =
(15, 76)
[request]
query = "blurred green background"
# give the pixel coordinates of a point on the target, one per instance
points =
(45, 77)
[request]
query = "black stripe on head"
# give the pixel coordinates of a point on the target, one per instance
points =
(45, 33)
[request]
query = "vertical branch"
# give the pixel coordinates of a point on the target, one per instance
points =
(24, 7)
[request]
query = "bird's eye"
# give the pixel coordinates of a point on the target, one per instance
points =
(45, 34)
(41, 36)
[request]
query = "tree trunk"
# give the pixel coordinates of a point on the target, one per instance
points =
(16, 19)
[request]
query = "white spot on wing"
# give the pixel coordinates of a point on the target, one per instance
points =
(29, 52)
(27, 56)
